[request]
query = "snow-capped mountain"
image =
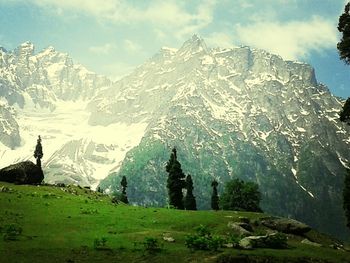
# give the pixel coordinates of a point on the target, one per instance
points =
(235, 112)
(45, 94)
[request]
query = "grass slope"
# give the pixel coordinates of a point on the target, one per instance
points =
(61, 224)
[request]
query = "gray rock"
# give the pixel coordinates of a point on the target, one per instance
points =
(22, 173)
(237, 229)
(274, 240)
(285, 225)
(308, 242)
(246, 226)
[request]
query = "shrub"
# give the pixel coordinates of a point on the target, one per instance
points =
(278, 240)
(89, 211)
(151, 245)
(100, 244)
(12, 232)
(234, 240)
(203, 240)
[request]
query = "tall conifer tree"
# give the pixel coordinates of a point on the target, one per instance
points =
(38, 153)
(190, 200)
(175, 182)
(124, 185)
(214, 196)
(344, 53)
(344, 28)
(346, 197)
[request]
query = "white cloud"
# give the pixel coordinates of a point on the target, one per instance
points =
(166, 15)
(291, 40)
(171, 18)
(103, 49)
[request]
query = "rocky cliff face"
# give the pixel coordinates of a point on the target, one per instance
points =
(9, 129)
(233, 113)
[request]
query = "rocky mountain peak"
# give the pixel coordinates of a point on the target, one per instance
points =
(25, 49)
(192, 46)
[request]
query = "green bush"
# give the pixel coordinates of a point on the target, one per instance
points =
(234, 240)
(203, 240)
(100, 244)
(89, 211)
(11, 232)
(151, 245)
(279, 240)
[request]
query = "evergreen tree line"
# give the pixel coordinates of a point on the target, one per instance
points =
(238, 195)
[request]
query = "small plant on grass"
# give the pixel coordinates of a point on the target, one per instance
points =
(12, 232)
(279, 240)
(234, 240)
(151, 245)
(203, 240)
(100, 244)
(89, 211)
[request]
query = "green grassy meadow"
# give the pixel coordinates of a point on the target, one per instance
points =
(60, 224)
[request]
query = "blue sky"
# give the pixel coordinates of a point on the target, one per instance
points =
(111, 37)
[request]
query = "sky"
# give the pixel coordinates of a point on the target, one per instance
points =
(112, 37)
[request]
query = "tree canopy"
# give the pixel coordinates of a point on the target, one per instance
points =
(124, 184)
(190, 200)
(214, 196)
(344, 28)
(346, 196)
(241, 196)
(38, 153)
(345, 112)
(175, 182)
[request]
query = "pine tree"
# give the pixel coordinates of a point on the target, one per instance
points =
(344, 28)
(344, 53)
(190, 200)
(345, 112)
(175, 182)
(124, 185)
(214, 196)
(346, 197)
(38, 153)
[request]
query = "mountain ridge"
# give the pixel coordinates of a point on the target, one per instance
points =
(235, 112)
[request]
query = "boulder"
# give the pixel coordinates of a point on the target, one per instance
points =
(22, 173)
(308, 242)
(285, 225)
(238, 229)
(275, 240)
